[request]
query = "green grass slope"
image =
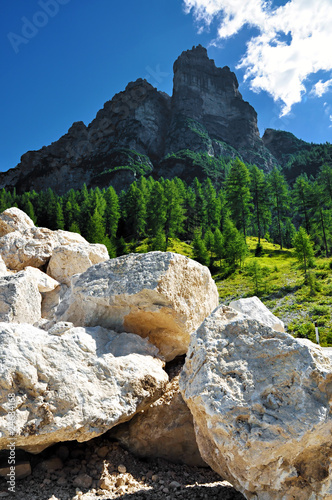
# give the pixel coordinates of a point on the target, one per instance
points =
(299, 303)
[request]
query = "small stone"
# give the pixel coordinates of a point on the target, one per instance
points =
(83, 481)
(175, 485)
(22, 470)
(52, 464)
(122, 469)
(165, 490)
(62, 481)
(155, 477)
(102, 452)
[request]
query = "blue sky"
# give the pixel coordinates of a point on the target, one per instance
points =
(62, 59)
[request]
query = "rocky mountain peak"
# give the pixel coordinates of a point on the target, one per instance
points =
(193, 67)
(136, 131)
(209, 95)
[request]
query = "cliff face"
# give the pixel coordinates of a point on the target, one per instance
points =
(210, 96)
(283, 144)
(140, 126)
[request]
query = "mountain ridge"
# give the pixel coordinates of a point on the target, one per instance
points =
(142, 130)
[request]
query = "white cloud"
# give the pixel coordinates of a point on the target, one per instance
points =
(294, 41)
(321, 88)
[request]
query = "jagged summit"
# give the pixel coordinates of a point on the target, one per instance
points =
(197, 61)
(139, 128)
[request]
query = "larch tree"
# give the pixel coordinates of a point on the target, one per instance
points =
(280, 198)
(303, 249)
(261, 201)
(238, 194)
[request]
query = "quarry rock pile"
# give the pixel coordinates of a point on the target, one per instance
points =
(89, 346)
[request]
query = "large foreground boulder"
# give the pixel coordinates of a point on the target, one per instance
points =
(255, 308)
(72, 386)
(165, 430)
(20, 300)
(14, 219)
(162, 296)
(261, 402)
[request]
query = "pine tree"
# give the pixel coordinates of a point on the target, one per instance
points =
(3, 200)
(95, 228)
(122, 247)
(134, 212)
(190, 201)
(200, 211)
(320, 217)
(74, 228)
(280, 198)
(159, 241)
(27, 207)
(261, 202)
(255, 271)
(209, 241)
(238, 194)
(288, 231)
(156, 210)
(112, 212)
(301, 197)
(303, 249)
(59, 219)
(325, 180)
(213, 205)
(218, 245)
(224, 210)
(175, 212)
(235, 248)
(199, 249)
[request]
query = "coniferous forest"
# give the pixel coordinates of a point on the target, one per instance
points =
(215, 221)
(263, 234)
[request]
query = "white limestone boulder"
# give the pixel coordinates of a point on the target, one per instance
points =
(75, 258)
(254, 308)
(35, 246)
(165, 430)
(261, 402)
(161, 296)
(20, 300)
(14, 219)
(72, 386)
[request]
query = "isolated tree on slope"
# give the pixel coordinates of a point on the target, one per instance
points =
(303, 249)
